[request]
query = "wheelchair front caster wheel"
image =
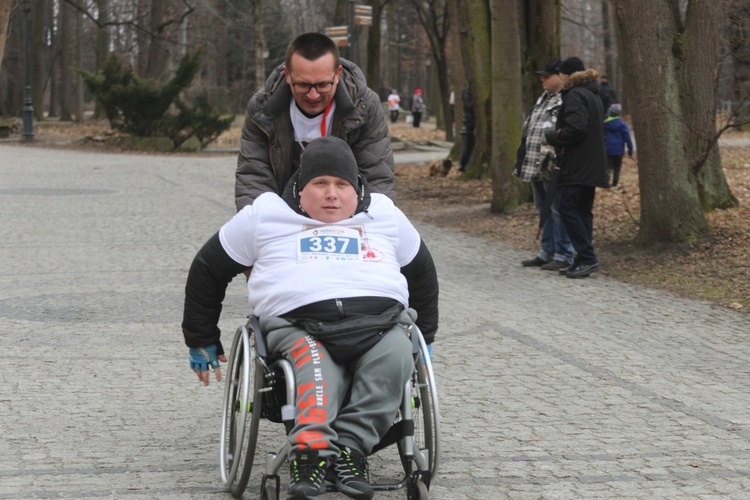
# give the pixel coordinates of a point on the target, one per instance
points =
(417, 490)
(270, 489)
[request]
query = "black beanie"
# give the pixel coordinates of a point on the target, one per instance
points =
(570, 66)
(327, 155)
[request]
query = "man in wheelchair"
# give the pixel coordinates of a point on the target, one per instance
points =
(334, 268)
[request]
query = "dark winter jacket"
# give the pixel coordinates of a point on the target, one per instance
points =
(266, 159)
(616, 136)
(607, 95)
(579, 134)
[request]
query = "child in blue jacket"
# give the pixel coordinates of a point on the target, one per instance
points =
(616, 136)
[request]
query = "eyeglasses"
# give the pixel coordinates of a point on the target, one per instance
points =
(305, 88)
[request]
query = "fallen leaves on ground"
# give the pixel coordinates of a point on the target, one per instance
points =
(715, 268)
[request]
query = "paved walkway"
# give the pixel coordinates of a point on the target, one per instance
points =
(550, 387)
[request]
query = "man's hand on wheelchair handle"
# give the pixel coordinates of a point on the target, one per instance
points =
(203, 359)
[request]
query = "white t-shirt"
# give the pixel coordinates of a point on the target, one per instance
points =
(298, 261)
(306, 129)
(393, 101)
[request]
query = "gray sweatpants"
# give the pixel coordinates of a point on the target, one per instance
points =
(377, 380)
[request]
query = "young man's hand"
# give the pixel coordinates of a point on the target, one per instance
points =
(203, 359)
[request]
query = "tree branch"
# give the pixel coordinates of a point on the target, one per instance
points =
(136, 23)
(735, 120)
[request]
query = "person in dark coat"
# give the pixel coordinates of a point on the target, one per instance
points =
(314, 93)
(467, 131)
(606, 93)
(579, 143)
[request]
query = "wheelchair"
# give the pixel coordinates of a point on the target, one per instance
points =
(260, 391)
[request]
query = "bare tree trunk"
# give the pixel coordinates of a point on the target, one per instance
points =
(65, 74)
(53, 71)
(372, 73)
(540, 42)
(156, 64)
(5, 6)
(477, 60)
(341, 15)
(79, 65)
(433, 15)
(457, 73)
(698, 85)
(393, 70)
(260, 43)
(143, 7)
(102, 44)
(609, 59)
(38, 74)
(506, 95)
(670, 205)
(738, 40)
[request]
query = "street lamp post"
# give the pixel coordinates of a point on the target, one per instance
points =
(28, 109)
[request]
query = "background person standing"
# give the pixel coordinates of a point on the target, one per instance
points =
(606, 93)
(534, 163)
(579, 144)
(616, 137)
(393, 104)
(417, 107)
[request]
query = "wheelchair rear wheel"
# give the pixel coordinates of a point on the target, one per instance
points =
(241, 413)
(425, 414)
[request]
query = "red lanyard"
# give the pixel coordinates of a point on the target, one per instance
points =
(323, 124)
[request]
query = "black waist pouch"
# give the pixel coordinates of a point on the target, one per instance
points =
(347, 339)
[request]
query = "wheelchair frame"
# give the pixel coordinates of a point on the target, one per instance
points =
(264, 388)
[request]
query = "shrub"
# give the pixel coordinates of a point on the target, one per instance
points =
(141, 108)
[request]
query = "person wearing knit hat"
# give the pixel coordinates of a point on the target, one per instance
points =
(578, 139)
(328, 155)
(616, 137)
(328, 180)
(321, 261)
(417, 107)
(615, 110)
(571, 65)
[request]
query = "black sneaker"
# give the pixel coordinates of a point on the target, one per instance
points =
(554, 265)
(351, 474)
(308, 474)
(566, 270)
(535, 262)
(583, 270)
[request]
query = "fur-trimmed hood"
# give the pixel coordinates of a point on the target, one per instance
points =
(581, 77)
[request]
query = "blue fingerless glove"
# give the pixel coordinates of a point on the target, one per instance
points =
(429, 353)
(203, 357)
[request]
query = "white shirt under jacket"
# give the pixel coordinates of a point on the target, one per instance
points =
(298, 261)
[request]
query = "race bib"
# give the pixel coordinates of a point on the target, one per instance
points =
(329, 243)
